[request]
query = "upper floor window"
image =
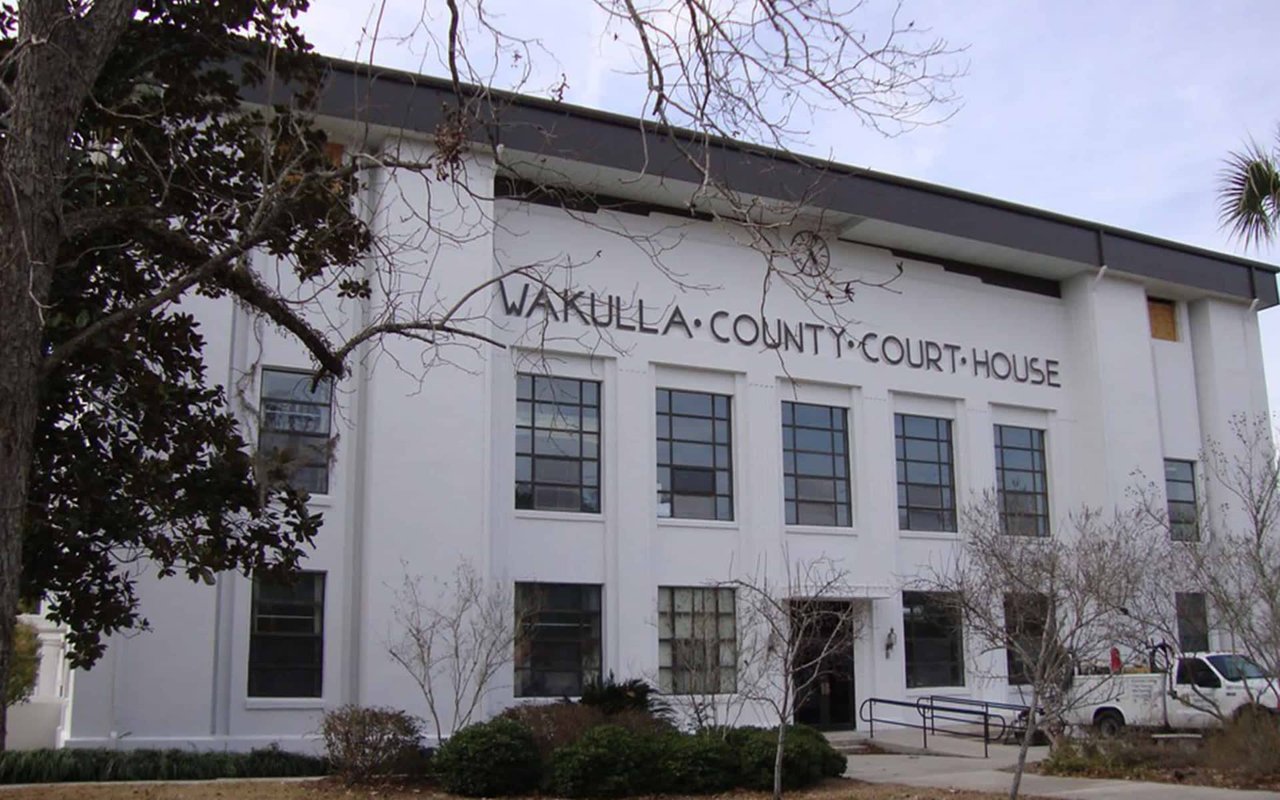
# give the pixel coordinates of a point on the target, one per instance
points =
(815, 464)
(295, 426)
(932, 639)
(557, 444)
(926, 475)
(557, 649)
(286, 637)
(1163, 317)
(1022, 480)
(1180, 488)
(695, 462)
(697, 640)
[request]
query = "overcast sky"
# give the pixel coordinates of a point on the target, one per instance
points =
(1118, 111)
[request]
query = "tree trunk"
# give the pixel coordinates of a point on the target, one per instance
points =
(58, 57)
(1033, 724)
(777, 759)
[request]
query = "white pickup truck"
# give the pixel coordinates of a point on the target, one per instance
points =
(1205, 689)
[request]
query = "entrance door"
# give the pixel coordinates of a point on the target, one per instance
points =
(823, 663)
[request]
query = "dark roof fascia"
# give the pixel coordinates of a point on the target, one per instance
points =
(403, 100)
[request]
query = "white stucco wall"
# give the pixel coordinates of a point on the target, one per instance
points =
(424, 462)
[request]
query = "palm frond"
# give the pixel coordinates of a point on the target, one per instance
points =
(1249, 195)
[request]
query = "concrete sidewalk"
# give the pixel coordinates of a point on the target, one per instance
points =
(979, 775)
(953, 763)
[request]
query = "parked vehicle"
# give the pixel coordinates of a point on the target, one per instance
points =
(1201, 691)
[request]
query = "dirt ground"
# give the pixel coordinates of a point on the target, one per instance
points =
(313, 790)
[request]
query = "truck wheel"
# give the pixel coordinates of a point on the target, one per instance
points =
(1108, 723)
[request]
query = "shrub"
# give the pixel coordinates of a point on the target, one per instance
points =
(25, 666)
(608, 761)
(555, 725)
(367, 743)
(499, 757)
(807, 757)
(65, 766)
(701, 763)
(613, 697)
(1248, 744)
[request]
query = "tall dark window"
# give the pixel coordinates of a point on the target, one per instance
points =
(933, 642)
(1022, 480)
(286, 638)
(1193, 622)
(697, 640)
(558, 640)
(557, 444)
(695, 461)
(294, 428)
(815, 464)
(1180, 486)
(926, 473)
(1026, 617)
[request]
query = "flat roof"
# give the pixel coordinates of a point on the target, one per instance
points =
(403, 100)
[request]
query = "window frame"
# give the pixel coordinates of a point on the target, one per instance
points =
(527, 639)
(257, 637)
(946, 485)
(702, 620)
(721, 448)
(837, 431)
(1194, 503)
(1037, 449)
(327, 437)
(936, 612)
(532, 429)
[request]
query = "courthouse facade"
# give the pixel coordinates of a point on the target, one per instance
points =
(651, 429)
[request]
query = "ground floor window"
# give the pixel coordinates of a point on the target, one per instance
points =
(933, 642)
(697, 640)
(1193, 622)
(286, 641)
(1026, 619)
(557, 648)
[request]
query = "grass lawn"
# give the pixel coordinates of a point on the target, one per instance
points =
(837, 789)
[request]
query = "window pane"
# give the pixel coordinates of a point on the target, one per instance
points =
(286, 642)
(1180, 486)
(294, 427)
(553, 427)
(925, 479)
(815, 465)
(1021, 480)
(698, 653)
(557, 649)
(693, 442)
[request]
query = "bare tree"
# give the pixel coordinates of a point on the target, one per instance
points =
(1051, 603)
(454, 642)
(797, 626)
(1230, 550)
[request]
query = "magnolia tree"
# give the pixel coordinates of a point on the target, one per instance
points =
(1055, 604)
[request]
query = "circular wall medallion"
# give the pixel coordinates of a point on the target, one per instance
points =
(810, 253)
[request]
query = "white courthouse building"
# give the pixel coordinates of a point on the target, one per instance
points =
(646, 432)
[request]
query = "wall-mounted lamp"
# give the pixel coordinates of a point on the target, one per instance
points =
(890, 641)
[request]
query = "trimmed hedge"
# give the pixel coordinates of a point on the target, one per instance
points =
(807, 757)
(703, 763)
(74, 765)
(490, 759)
(608, 761)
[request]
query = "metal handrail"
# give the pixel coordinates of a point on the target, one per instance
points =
(929, 712)
(1011, 726)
